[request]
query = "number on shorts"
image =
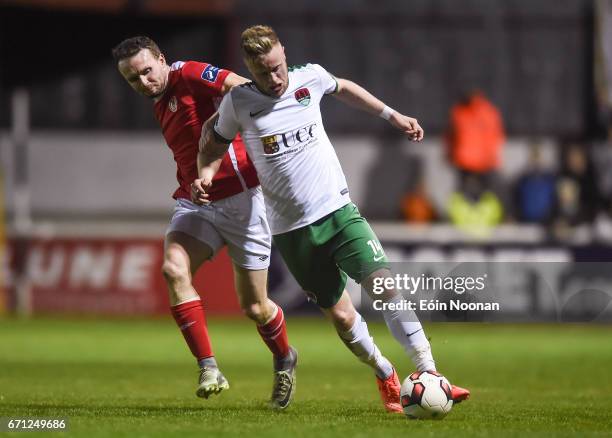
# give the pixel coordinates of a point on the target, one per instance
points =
(376, 249)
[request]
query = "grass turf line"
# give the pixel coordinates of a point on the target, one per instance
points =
(137, 378)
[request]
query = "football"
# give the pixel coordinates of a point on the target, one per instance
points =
(426, 394)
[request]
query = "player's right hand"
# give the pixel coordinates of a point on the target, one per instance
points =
(199, 191)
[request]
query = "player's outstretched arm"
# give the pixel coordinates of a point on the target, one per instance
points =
(210, 155)
(358, 97)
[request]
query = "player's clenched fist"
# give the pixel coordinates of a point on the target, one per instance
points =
(408, 125)
(199, 189)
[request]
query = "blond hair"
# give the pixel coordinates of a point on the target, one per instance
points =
(257, 40)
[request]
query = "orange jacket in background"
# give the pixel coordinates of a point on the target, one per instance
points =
(476, 135)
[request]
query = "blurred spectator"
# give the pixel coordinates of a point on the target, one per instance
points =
(475, 135)
(416, 206)
(474, 139)
(474, 208)
(577, 193)
(535, 191)
(602, 158)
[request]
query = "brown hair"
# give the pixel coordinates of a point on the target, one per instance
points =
(257, 40)
(131, 46)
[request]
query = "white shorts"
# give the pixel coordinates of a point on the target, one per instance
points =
(238, 222)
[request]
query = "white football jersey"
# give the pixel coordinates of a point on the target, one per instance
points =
(299, 171)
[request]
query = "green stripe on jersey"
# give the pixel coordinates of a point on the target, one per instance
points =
(297, 67)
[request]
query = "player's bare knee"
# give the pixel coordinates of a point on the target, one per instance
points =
(174, 273)
(255, 312)
(343, 318)
(377, 278)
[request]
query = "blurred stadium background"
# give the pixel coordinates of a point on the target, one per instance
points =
(87, 177)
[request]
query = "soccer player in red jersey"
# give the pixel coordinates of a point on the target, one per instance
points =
(185, 95)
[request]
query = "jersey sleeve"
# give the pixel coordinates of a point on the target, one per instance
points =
(227, 125)
(204, 80)
(329, 84)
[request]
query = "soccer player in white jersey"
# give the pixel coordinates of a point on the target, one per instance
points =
(318, 230)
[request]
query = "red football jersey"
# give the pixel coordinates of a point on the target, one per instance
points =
(191, 97)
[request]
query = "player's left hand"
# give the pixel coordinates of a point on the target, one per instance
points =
(408, 125)
(199, 195)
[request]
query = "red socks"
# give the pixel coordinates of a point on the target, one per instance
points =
(274, 334)
(191, 320)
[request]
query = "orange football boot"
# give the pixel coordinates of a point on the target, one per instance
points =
(389, 389)
(459, 394)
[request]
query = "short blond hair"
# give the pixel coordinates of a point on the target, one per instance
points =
(257, 40)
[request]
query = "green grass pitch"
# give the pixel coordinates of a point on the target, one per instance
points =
(136, 378)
